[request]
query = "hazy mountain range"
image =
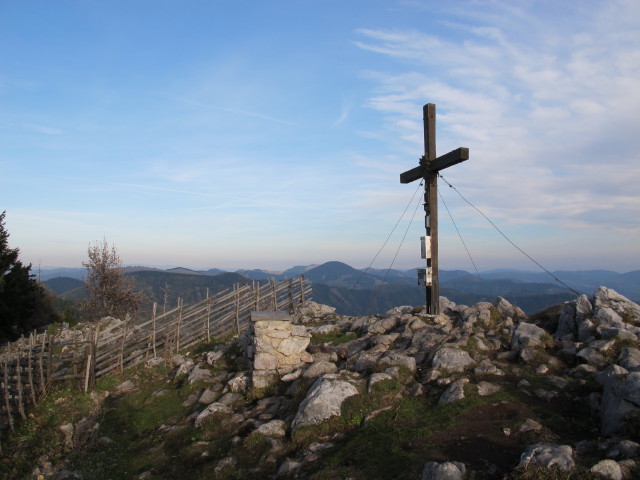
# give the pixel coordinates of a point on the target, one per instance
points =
(358, 292)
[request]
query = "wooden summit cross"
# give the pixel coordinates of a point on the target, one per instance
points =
(428, 169)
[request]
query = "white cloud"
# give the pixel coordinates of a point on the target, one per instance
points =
(537, 115)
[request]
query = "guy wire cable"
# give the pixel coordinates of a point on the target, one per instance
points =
(459, 234)
(508, 239)
(386, 241)
(401, 243)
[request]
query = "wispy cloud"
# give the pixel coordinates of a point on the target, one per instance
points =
(236, 111)
(555, 121)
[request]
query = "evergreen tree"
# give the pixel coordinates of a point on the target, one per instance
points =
(24, 304)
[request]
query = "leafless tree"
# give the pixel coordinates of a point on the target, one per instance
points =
(109, 291)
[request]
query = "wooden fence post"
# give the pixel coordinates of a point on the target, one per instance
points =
(87, 373)
(292, 307)
(180, 303)
(274, 293)
(257, 290)
(52, 340)
(43, 386)
(237, 308)
(124, 335)
(6, 393)
(94, 350)
(208, 316)
(18, 371)
(153, 329)
(30, 368)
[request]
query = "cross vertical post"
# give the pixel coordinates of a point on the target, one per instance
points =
(431, 209)
(428, 170)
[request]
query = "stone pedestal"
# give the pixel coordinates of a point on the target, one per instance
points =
(276, 347)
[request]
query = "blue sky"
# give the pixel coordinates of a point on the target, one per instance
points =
(267, 134)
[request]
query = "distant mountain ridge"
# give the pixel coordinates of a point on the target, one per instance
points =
(359, 292)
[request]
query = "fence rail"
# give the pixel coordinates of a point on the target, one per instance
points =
(31, 365)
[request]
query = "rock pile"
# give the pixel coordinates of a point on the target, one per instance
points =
(557, 390)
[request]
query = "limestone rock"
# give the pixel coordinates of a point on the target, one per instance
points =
(548, 455)
(608, 469)
(199, 374)
(317, 369)
(485, 389)
(239, 383)
(452, 360)
(530, 425)
(620, 398)
(274, 428)
(395, 359)
(454, 392)
(527, 335)
(323, 400)
(315, 310)
(443, 471)
(592, 357)
(125, 387)
(212, 409)
(378, 377)
(185, 367)
(629, 358)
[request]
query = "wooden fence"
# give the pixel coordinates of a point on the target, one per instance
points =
(31, 365)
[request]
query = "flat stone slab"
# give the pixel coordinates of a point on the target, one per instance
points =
(270, 316)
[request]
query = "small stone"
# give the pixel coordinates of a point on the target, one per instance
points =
(125, 387)
(609, 469)
(454, 393)
(443, 471)
(317, 369)
(542, 369)
(485, 389)
(208, 396)
(274, 428)
(530, 425)
(212, 409)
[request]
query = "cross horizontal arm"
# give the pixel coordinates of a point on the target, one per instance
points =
(448, 159)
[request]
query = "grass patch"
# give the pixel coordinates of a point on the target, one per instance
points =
(535, 472)
(334, 338)
(212, 343)
(39, 435)
(393, 445)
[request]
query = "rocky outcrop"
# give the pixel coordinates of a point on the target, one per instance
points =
(330, 375)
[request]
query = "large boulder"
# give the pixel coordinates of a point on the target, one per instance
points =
(620, 399)
(323, 401)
